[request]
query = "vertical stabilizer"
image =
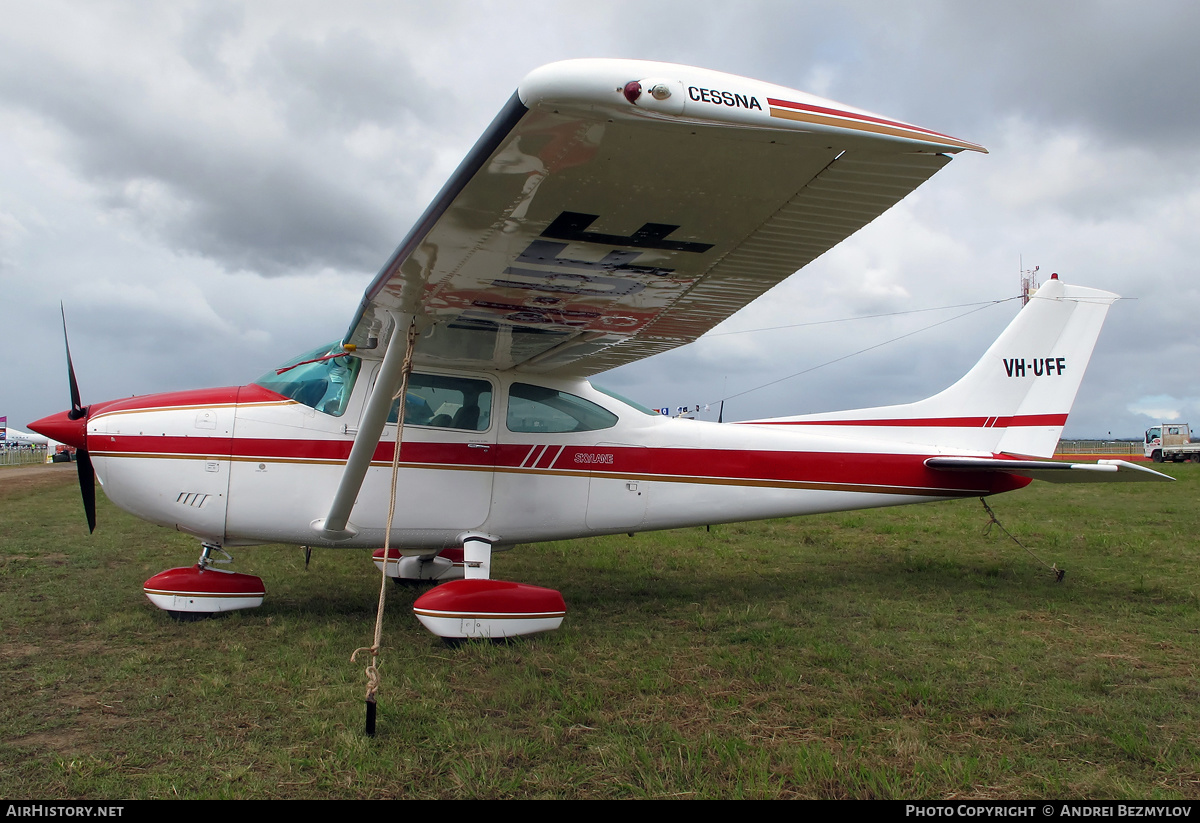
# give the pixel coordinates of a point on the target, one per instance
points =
(1016, 398)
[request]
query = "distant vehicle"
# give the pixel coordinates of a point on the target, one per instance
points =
(1171, 442)
(62, 454)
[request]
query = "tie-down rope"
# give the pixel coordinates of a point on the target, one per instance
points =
(372, 669)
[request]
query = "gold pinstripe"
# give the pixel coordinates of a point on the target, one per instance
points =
(874, 128)
(194, 407)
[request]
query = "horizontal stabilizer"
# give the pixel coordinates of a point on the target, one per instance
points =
(1102, 471)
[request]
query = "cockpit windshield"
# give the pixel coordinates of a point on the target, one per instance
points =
(322, 379)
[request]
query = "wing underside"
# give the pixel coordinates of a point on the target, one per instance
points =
(587, 230)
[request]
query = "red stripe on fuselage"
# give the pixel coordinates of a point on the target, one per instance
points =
(866, 472)
(268, 449)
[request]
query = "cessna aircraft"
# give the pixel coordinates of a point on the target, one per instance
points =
(614, 209)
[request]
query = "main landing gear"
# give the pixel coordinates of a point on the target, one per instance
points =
(426, 569)
(468, 603)
(196, 592)
(471, 604)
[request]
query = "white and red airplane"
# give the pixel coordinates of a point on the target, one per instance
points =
(613, 210)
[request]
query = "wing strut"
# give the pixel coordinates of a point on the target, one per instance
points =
(336, 525)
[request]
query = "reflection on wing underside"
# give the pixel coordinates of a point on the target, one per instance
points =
(475, 339)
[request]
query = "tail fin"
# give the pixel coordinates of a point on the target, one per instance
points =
(1016, 398)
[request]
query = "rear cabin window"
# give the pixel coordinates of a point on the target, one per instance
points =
(542, 410)
(631, 403)
(446, 403)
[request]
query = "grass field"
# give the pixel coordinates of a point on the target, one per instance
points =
(896, 654)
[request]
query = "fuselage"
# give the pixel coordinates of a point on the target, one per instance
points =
(515, 457)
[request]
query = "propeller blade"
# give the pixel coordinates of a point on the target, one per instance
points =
(77, 409)
(83, 461)
(87, 486)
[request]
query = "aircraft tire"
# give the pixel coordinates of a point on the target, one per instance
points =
(189, 617)
(410, 583)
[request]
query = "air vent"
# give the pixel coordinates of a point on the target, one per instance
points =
(193, 499)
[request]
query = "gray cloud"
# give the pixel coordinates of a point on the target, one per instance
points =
(252, 172)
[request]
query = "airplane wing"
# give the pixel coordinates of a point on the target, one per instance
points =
(1102, 471)
(617, 208)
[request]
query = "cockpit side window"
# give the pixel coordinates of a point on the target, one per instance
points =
(442, 402)
(538, 409)
(321, 379)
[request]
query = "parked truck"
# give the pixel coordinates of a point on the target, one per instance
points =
(1171, 442)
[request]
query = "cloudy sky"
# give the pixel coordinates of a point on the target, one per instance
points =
(209, 187)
